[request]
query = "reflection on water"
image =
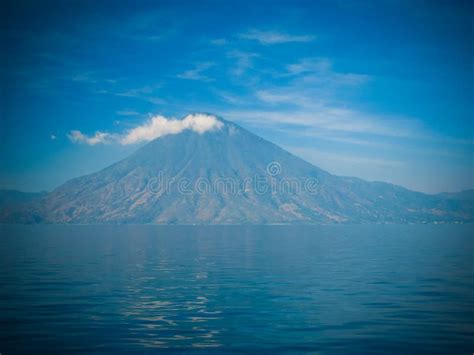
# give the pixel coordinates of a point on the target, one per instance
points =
(329, 289)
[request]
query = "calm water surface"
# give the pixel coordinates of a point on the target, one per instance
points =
(324, 289)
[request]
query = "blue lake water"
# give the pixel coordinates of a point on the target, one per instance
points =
(320, 289)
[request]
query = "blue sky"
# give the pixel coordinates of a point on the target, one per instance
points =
(381, 90)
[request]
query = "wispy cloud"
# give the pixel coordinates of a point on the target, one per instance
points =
(145, 93)
(316, 155)
(197, 72)
(92, 77)
(155, 127)
(327, 118)
(230, 98)
(282, 96)
(219, 41)
(308, 85)
(309, 65)
(140, 91)
(243, 61)
(319, 71)
(275, 37)
(127, 113)
(345, 140)
(309, 98)
(88, 78)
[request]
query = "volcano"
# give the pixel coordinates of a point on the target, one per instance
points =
(229, 175)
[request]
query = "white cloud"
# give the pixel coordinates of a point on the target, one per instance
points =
(274, 37)
(53, 137)
(197, 72)
(155, 127)
(98, 138)
(159, 126)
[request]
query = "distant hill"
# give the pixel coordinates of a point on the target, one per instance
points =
(466, 195)
(211, 178)
(14, 197)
